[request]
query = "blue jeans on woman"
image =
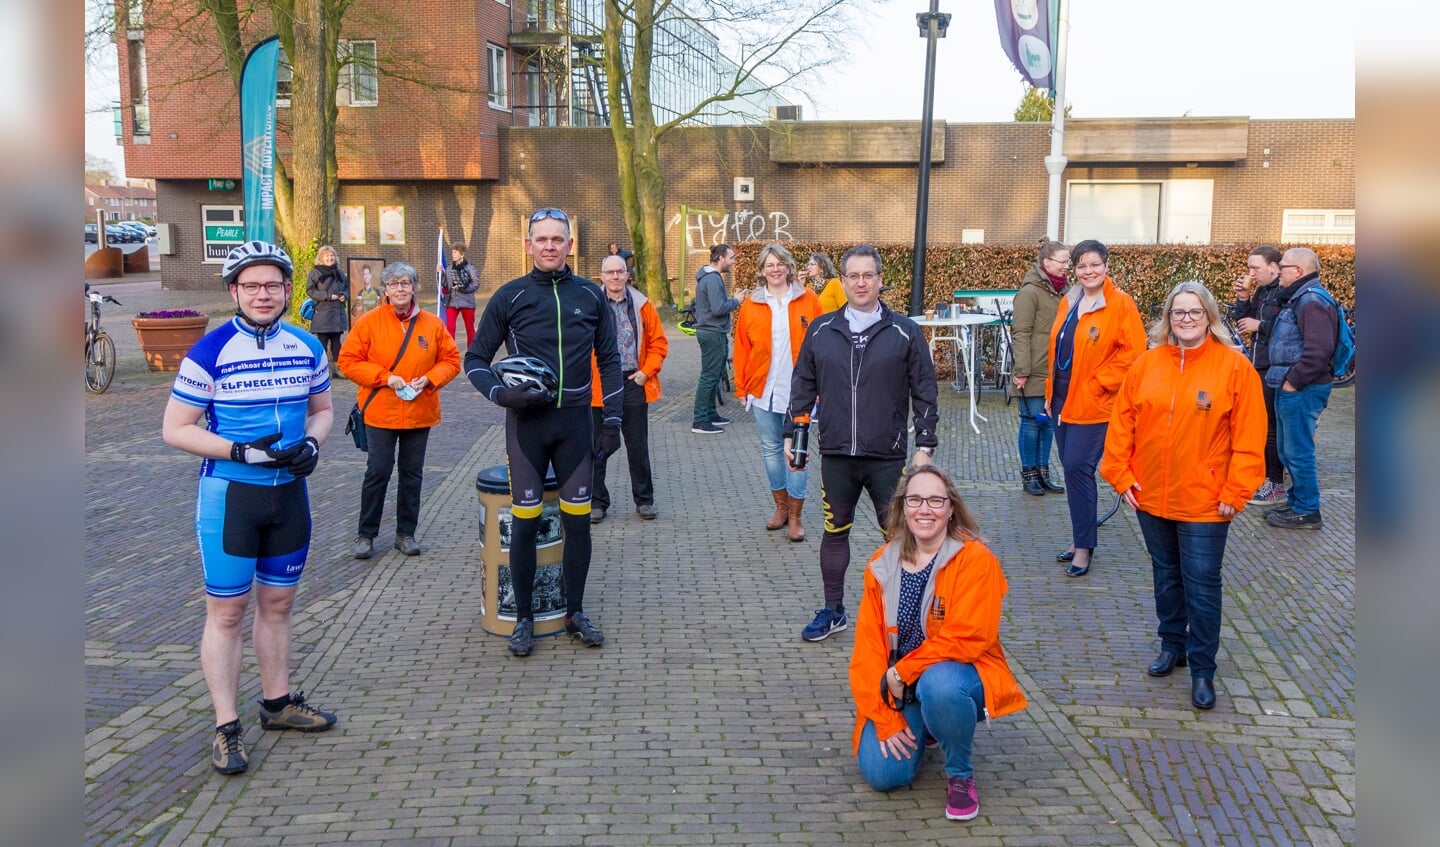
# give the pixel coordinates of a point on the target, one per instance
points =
(1185, 557)
(950, 701)
(1035, 438)
(772, 428)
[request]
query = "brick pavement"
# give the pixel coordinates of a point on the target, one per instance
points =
(705, 720)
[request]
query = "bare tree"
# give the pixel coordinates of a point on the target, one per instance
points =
(770, 44)
(98, 171)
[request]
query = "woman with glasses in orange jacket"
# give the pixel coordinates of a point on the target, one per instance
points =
(1186, 450)
(771, 324)
(1095, 338)
(927, 661)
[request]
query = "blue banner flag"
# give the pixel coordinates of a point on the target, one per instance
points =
(1027, 33)
(257, 138)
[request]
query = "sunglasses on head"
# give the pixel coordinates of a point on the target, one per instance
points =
(542, 214)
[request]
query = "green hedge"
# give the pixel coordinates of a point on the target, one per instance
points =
(1145, 272)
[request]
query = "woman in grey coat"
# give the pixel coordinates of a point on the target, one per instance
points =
(327, 286)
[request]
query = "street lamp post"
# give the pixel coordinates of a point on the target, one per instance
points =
(932, 25)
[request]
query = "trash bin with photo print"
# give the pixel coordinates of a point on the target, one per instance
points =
(497, 601)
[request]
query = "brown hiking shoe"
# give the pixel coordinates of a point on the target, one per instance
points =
(297, 715)
(227, 751)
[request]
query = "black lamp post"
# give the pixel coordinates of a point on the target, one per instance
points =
(932, 26)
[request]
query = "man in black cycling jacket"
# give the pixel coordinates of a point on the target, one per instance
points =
(561, 319)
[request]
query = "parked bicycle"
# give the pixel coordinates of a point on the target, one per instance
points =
(99, 347)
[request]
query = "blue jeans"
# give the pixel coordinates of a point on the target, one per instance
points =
(950, 701)
(772, 429)
(1035, 438)
(1296, 415)
(1186, 558)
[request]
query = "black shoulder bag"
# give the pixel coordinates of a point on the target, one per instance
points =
(355, 426)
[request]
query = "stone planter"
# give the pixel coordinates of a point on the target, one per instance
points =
(165, 341)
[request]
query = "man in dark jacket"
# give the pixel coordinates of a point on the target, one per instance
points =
(1302, 345)
(869, 364)
(712, 330)
(1257, 296)
(561, 319)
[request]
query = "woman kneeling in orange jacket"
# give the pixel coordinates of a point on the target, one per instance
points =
(1186, 450)
(927, 660)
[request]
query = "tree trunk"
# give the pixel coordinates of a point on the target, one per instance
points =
(310, 213)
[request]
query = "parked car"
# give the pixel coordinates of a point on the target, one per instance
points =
(92, 234)
(133, 233)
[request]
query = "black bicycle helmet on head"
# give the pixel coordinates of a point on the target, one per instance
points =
(526, 372)
(255, 253)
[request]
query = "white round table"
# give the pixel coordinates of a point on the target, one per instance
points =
(962, 336)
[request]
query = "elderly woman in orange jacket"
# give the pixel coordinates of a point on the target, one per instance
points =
(772, 323)
(399, 358)
(1095, 338)
(927, 660)
(1186, 450)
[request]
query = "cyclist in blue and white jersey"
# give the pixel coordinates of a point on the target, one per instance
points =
(252, 399)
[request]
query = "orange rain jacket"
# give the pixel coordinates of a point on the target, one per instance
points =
(752, 336)
(371, 347)
(1189, 426)
(1107, 340)
(961, 621)
(652, 346)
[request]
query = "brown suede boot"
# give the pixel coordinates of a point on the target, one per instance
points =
(782, 507)
(797, 530)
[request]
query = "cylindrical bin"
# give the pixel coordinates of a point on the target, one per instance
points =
(497, 603)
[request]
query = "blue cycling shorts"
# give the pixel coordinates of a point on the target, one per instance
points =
(251, 533)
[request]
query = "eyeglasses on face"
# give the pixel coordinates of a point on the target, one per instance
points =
(398, 283)
(1186, 314)
(542, 214)
(913, 501)
(868, 276)
(1064, 263)
(253, 288)
(1283, 267)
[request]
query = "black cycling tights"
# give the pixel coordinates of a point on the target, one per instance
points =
(534, 442)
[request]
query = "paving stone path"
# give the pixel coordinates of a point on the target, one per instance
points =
(705, 719)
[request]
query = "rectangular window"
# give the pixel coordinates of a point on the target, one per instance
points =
(499, 81)
(364, 74)
(284, 76)
(1318, 226)
(139, 90)
(1162, 211)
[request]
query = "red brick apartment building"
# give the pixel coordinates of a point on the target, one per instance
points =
(120, 202)
(475, 161)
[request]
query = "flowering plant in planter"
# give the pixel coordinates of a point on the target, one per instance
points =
(170, 313)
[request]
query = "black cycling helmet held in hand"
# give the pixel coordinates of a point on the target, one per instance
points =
(526, 372)
(255, 253)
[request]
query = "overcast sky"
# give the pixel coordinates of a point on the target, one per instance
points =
(1127, 58)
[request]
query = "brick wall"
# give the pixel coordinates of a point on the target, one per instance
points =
(992, 178)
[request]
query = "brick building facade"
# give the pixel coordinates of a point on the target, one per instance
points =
(987, 177)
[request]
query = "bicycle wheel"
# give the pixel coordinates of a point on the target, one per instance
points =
(100, 364)
(1007, 373)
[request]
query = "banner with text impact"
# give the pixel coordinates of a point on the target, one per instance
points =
(257, 138)
(1027, 32)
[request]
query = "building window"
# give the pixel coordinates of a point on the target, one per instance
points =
(499, 79)
(364, 73)
(1318, 226)
(284, 76)
(1162, 211)
(139, 89)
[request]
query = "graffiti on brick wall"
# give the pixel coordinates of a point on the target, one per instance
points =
(704, 231)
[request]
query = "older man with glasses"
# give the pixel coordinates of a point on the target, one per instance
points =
(561, 319)
(1302, 345)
